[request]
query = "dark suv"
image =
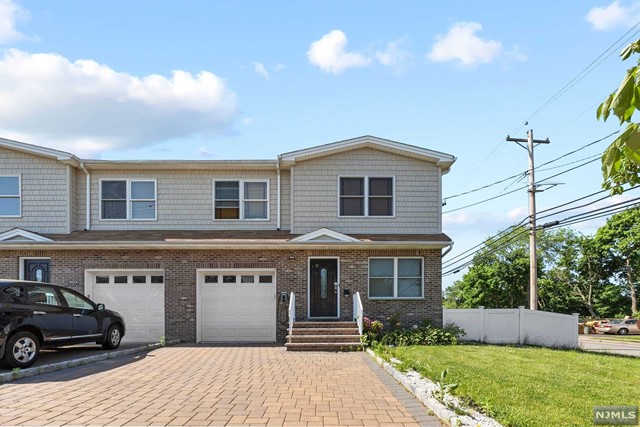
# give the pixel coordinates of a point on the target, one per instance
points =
(35, 315)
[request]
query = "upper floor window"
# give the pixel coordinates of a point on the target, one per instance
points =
(128, 199)
(367, 196)
(241, 199)
(10, 196)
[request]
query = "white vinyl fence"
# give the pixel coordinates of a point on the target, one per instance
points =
(515, 326)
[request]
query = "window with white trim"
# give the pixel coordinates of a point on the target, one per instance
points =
(366, 196)
(134, 199)
(10, 200)
(396, 278)
(241, 199)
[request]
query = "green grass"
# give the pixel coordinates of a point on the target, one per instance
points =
(530, 386)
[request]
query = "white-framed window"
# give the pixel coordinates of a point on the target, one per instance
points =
(241, 199)
(129, 278)
(366, 196)
(396, 277)
(128, 199)
(10, 196)
(246, 277)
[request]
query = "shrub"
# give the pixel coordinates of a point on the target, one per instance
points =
(371, 331)
(425, 334)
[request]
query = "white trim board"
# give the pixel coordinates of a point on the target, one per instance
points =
(329, 236)
(24, 234)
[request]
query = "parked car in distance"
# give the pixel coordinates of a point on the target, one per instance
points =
(623, 327)
(36, 315)
(603, 326)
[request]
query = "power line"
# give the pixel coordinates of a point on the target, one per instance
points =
(523, 173)
(508, 230)
(519, 188)
(570, 220)
(570, 163)
(585, 205)
(579, 149)
(590, 108)
(485, 186)
(582, 74)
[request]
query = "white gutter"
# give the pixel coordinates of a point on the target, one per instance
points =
(278, 198)
(87, 196)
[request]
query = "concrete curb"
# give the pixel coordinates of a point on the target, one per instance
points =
(29, 372)
(446, 415)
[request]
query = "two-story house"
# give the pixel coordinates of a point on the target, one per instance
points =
(210, 250)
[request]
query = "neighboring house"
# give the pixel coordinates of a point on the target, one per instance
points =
(205, 250)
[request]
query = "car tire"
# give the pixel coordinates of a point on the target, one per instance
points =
(113, 338)
(623, 331)
(22, 350)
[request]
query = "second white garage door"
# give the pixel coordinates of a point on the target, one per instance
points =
(236, 306)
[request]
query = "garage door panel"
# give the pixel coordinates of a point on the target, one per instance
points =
(237, 312)
(141, 305)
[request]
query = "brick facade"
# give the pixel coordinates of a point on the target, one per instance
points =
(67, 269)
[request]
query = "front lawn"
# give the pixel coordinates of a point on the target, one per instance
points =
(530, 386)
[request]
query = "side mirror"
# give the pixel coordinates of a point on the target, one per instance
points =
(100, 307)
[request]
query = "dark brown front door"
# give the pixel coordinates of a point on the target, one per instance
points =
(323, 292)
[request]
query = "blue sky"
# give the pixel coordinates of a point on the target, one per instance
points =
(235, 80)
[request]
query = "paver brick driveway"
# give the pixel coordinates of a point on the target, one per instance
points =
(197, 385)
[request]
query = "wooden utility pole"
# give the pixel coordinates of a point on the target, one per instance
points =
(533, 258)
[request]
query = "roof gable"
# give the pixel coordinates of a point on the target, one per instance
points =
(39, 151)
(20, 235)
(441, 159)
(324, 235)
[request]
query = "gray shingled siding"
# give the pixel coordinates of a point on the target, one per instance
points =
(185, 200)
(44, 192)
(417, 195)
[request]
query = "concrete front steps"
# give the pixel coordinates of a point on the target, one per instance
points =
(324, 336)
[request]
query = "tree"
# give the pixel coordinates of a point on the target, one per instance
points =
(621, 160)
(619, 241)
(499, 276)
(573, 275)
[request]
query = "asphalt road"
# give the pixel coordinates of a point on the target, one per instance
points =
(609, 344)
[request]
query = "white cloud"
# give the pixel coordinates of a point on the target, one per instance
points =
(86, 107)
(10, 13)
(393, 55)
(613, 16)
(204, 152)
(280, 67)
(462, 44)
(331, 56)
(517, 213)
(259, 68)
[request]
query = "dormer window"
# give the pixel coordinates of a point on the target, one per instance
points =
(366, 196)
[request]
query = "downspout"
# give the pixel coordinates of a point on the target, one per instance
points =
(278, 197)
(87, 196)
(448, 250)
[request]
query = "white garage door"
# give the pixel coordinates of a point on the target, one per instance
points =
(137, 295)
(237, 306)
